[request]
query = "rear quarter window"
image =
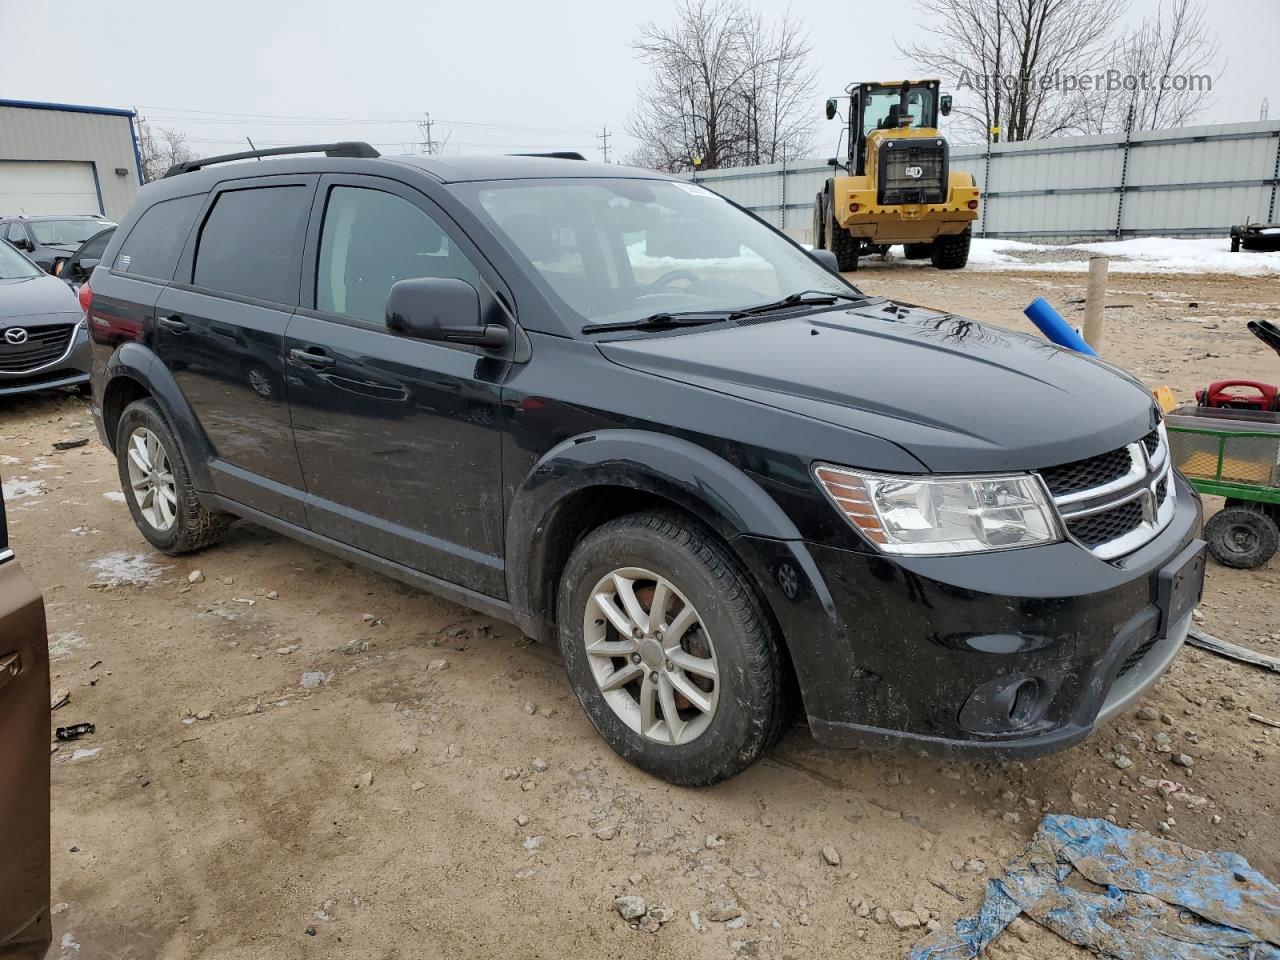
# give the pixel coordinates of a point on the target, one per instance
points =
(251, 243)
(152, 248)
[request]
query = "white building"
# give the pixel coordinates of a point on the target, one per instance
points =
(60, 158)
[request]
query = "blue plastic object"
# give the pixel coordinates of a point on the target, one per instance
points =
(1145, 899)
(1055, 328)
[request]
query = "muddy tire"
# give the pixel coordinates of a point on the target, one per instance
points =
(819, 223)
(669, 651)
(951, 252)
(843, 244)
(157, 486)
(917, 251)
(1242, 537)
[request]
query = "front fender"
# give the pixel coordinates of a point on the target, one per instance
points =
(138, 363)
(687, 475)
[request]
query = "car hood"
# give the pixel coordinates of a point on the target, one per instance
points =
(31, 298)
(959, 395)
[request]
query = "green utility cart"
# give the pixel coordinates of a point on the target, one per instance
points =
(1235, 454)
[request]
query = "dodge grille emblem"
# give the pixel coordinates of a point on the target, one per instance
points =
(914, 173)
(15, 335)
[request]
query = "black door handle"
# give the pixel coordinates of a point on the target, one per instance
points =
(312, 357)
(174, 324)
(10, 667)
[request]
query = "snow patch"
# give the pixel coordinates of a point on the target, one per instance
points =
(63, 645)
(1137, 255)
(21, 488)
(123, 569)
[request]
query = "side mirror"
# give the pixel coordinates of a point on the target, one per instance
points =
(442, 309)
(831, 108)
(85, 267)
(944, 104)
(833, 161)
(827, 259)
(23, 244)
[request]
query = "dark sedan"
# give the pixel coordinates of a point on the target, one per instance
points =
(49, 241)
(43, 342)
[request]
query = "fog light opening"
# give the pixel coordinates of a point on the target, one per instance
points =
(1023, 703)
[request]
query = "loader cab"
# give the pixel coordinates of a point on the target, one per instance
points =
(884, 106)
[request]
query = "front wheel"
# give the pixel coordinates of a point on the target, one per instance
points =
(668, 650)
(157, 486)
(951, 252)
(1241, 536)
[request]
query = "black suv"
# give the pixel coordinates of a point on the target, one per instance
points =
(49, 241)
(619, 411)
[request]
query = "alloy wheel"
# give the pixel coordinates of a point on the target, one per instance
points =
(651, 656)
(151, 480)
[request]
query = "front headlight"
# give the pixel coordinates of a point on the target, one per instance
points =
(931, 516)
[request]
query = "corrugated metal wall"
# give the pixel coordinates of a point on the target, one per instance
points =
(105, 140)
(1194, 181)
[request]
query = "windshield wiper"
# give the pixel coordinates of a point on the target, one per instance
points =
(665, 321)
(805, 298)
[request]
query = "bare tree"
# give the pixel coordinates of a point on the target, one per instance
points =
(159, 150)
(725, 89)
(1164, 69)
(1020, 58)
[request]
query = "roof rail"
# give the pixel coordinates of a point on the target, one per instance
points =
(346, 148)
(554, 155)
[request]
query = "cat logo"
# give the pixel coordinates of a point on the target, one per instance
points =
(915, 173)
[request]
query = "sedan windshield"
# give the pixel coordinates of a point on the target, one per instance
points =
(14, 266)
(65, 232)
(616, 251)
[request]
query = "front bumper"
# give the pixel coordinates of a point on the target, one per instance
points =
(72, 369)
(1017, 653)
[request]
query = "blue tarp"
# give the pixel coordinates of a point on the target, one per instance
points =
(1124, 894)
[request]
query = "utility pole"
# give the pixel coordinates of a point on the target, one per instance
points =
(428, 145)
(603, 137)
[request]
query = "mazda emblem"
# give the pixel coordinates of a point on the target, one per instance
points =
(15, 335)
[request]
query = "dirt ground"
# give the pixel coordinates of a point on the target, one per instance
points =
(298, 758)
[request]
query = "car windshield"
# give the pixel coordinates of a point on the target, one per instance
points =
(621, 250)
(65, 232)
(14, 266)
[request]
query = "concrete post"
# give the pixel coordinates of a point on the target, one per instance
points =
(1095, 297)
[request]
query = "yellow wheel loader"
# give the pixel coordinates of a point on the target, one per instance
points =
(896, 186)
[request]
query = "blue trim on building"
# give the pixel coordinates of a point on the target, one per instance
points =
(97, 185)
(67, 107)
(137, 154)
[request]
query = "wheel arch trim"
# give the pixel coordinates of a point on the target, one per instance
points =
(689, 476)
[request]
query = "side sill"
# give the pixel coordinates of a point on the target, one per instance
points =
(498, 609)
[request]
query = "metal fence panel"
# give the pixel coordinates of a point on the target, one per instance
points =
(1193, 181)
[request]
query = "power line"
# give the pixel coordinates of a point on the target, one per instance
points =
(603, 137)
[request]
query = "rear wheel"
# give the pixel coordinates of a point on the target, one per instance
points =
(951, 252)
(1242, 536)
(819, 234)
(158, 487)
(917, 251)
(668, 649)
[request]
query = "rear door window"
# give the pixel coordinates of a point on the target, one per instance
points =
(151, 250)
(251, 243)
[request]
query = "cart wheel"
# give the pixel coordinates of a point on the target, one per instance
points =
(1241, 537)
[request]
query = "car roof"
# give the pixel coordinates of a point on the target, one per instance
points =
(452, 169)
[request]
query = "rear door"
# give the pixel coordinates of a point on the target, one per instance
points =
(24, 762)
(220, 330)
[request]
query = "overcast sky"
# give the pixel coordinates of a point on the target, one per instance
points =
(494, 75)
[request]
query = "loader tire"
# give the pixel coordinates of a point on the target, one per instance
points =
(819, 234)
(843, 244)
(951, 252)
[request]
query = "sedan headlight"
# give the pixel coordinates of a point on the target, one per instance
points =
(931, 516)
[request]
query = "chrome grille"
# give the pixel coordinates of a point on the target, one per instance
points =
(1115, 502)
(44, 345)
